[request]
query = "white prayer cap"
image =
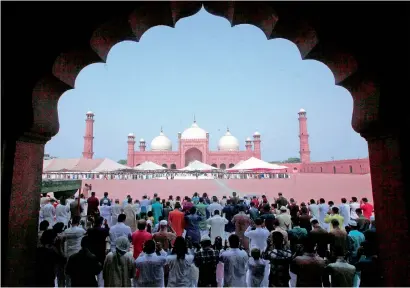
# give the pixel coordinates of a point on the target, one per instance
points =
(283, 208)
(372, 218)
(163, 223)
(352, 223)
(122, 243)
(205, 238)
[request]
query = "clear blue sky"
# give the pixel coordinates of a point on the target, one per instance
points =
(226, 76)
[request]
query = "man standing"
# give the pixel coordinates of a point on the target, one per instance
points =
(145, 203)
(217, 224)
(93, 203)
(105, 200)
(353, 206)
(323, 210)
(344, 209)
(235, 262)
(284, 218)
(362, 222)
(201, 210)
(319, 237)
(118, 230)
(242, 222)
(281, 201)
(116, 211)
(163, 236)
(214, 206)
(206, 260)
(258, 237)
(334, 214)
(234, 199)
(157, 210)
(356, 238)
(139, 237)
(176, 220)
(314, 209)
(83, 266)
(48, 211)
(366, 207)
(131, 219)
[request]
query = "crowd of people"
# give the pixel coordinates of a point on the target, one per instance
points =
(203, 241)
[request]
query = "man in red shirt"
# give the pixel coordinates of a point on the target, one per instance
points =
(366, 207)
(92, 205)
(139, 237)
(176, 219)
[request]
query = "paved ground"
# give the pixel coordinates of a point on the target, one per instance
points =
(302, 187)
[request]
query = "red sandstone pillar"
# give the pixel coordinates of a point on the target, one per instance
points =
(131, 146)
(303, 137)
(24, 202)
(142, 145)
(391, 205)
(89, 136)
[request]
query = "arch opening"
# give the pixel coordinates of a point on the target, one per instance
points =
(192, 154)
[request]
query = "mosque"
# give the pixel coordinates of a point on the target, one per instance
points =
(193, 144)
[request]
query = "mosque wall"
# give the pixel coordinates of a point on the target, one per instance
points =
(347, 166)
(227, 159)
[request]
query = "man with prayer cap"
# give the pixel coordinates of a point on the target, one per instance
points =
(119, 266)
(163, 236)
(355, 238)
(284, 218)
(116, 210)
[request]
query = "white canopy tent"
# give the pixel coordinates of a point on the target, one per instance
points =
(237, 164)
(255, 164)
(198, 166)
(149, 166)
(108, 165)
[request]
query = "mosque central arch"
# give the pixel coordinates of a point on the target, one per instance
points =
(192, 154)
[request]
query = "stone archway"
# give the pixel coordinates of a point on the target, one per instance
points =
(222, 166)
(192, 154)
(164, 165)
(231, 165)
(378, 117)
(173, 166)
(214, 165)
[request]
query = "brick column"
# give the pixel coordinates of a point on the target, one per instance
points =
(391, 204)
(23, 215)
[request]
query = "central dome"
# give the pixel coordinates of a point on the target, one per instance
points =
(161, 143)
(194, 132)
(228, 142)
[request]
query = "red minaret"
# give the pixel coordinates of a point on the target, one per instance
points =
(142, 145)
(257, 145)
(131, 146)
(248, 144)
(89, 136)
(304, 137)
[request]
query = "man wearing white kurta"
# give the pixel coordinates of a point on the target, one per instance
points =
(344, 210)
(63, 212)
(217, 224)
(105, 212)
(258, 237)
(314, 209)
(116, 210)
(49, 212)
(353, 206)
(214, 206)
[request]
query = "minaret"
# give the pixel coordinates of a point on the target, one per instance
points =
(131, 149)
(142, 145)
(304, 137)
(89, 136)
(248, 144)
(257, 145)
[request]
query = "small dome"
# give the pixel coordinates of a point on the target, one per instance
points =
(131, 135)
(142, 140)
(161, 143)
(228, 142)
(302, 110)
(256, 133)
(248, 139)
(194, 132)
(90, 113)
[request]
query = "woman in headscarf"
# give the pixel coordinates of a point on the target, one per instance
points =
(119, 266)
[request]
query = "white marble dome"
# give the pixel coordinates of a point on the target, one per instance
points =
(228, 142)
(131, 135)
(194, 132)
(161, 143)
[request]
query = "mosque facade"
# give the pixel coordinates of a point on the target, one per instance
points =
(193, 144)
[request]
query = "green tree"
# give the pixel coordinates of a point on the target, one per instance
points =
(292, 160)
(122, 162)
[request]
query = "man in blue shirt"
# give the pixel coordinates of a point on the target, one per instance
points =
(355, 240)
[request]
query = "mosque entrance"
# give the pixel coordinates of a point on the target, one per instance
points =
(192, 155)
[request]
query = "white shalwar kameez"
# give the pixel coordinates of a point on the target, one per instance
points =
(48, 213)
(62, 214)
(105, 212)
